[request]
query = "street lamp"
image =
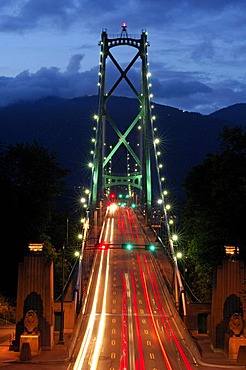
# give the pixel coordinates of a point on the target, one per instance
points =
(76, 254)
(179, 255)
(175, 237)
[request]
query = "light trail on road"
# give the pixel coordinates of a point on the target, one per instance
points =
(131, 343)
(164, 353)
(128, 323)
(88, 333)
(124, 329)
(100, 334)
(140, 361)
(91, 323)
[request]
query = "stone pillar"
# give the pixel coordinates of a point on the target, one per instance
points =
(228, 287)
(36, 292)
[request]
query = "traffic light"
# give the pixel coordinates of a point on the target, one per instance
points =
(127, 246)
(112, 197)
(102, 246)
(151, 247)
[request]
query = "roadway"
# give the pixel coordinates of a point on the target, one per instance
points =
(127, 320)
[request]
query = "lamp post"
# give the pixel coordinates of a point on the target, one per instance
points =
(61, 333)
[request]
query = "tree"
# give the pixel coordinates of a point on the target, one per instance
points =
(31, 181)
(214, 211)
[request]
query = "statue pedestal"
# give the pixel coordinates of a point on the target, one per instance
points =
(34, 342)
(234, 344)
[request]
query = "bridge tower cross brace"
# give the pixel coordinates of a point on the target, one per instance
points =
(103, 179)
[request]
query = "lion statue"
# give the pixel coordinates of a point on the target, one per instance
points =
(236, 324)
(31, 322)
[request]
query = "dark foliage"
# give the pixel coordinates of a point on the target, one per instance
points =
(214, 213)
(31, 180)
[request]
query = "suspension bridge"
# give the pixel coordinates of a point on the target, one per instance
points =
(128, 290)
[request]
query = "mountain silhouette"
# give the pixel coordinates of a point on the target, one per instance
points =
(64, 126)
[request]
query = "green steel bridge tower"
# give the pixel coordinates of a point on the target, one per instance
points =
(132, 140)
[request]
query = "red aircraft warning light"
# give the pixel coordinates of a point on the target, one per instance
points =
(124, 26)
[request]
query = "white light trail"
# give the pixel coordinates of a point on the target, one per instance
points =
(101, 329)
(90, 326)
(87, 337)
(107, 230)
(112, 231)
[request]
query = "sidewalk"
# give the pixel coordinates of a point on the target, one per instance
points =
(211, 359)
(60, 354)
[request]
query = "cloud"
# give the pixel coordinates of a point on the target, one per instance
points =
(203, 51)
(75, 63)
(197, 47)
(201, 98)
(177, 89)
(49, 81)
(19, 16)
(23, 15)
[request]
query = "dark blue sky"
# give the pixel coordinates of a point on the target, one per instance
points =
(197, 50)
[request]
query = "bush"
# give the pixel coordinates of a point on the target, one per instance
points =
(7, 310)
